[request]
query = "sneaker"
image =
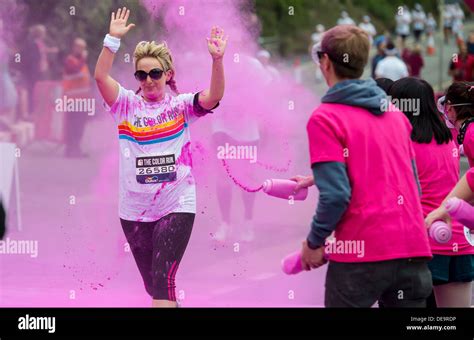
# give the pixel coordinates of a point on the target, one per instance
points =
(221, 234)
(248, 233)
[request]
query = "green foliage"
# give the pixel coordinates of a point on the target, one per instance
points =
(286, 24)
(293, 31)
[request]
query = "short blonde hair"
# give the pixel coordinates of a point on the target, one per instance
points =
(162, 53)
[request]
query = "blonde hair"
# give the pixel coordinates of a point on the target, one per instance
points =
(162, 53)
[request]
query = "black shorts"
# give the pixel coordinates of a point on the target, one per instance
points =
(158, 248)
(447, 269)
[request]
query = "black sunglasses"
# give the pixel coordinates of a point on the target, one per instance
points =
(154, 74)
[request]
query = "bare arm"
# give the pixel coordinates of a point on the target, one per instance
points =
(108, 86)
(216, 45)
(461, 191)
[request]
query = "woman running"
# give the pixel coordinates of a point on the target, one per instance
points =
(157, 188)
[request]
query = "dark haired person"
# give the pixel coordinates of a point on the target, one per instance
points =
(458, 108)
(437, 162)
(363, 165)
(384, 84)
(461, 67)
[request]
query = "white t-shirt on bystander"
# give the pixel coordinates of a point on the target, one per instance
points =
(391, 67)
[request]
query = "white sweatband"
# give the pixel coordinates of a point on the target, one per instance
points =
(112, 43)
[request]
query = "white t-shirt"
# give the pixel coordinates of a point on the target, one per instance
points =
(458, 16)
(155, 157)
(448, 17)
(316, 37)
(419, 18)
(430, 25)
(368, 28)
(345, 21)
(391, 67)
(403, 23)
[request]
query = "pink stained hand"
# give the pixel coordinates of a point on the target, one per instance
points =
(217, 44)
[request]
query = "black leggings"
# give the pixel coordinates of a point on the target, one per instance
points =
(158, 248)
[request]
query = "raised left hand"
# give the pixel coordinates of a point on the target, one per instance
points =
(217, 43)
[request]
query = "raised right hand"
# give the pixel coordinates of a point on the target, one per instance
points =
(118, 23)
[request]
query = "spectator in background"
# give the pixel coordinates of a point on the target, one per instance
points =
(391, 67)
(458, 22)
(461, 65)
(317, 35)
(419, 20)
(76, 84)
(403, 20)
(447, 22)
(345, 19)
(368, 28)
(2, 221)
(316, 38)
(264, 58)
(8, 94)
(430, 24)
(35, 64)
(415, 62)
(406, 53)
(470, 43)
(379, 43)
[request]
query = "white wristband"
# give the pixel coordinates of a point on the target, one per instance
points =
(112, 43)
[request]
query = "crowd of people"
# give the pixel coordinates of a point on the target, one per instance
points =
(383, 172)
(26, 68)
(403, 59)
(364, 158)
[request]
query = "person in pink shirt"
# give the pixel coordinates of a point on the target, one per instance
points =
(437, 161)
(458, 109)
(363, 164)
(463, 190)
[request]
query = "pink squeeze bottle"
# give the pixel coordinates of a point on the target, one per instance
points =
(291, 264)
(284, 188)
(462, 211)
(440, 232)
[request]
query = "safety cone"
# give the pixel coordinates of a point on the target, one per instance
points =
(430, 46)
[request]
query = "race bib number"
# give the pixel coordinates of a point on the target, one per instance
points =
(156, 169)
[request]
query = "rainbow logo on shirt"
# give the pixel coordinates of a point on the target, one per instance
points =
(152, 134)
